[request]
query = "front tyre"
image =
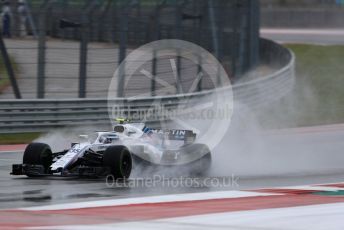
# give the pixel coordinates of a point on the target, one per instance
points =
(119, 160)
(38, 154)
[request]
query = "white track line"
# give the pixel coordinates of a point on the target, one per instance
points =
(152, 199)
(17, 151)
(312, 188)
(180, 197)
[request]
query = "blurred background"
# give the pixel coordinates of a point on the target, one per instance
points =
(68, 49)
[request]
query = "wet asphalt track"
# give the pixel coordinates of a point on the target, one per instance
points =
(17, 192)
(303, 157)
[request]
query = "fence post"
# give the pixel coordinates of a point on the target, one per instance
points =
(83, 56)
(84, 39)
(214, 30)
(9, 68)
(200, 72)
(154, 64)
(215, 37)
(156, 36)
(41, 51)
(242, 56)
(178, 36)
(122, 48)
(253, 31)
(200, 35)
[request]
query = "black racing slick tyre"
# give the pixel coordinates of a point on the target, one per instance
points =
(119, 160)
(38, 154)
(202, 165)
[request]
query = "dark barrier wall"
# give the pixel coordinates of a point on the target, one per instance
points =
(274, 55)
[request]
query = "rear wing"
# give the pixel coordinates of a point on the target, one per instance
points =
(188, 136)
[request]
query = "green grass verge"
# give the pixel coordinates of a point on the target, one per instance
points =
(4, 79)
(318, 96)
(18, 138)
(21, 138)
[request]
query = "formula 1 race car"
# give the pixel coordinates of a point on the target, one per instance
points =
(117, 152)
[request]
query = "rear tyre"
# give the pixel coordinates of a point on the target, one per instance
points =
(38, 154)
(202, 165)
(119, 160)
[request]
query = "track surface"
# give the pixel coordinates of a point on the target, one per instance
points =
(305, 36)
(17, 192)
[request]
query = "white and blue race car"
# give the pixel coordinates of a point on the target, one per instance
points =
(117, 152)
